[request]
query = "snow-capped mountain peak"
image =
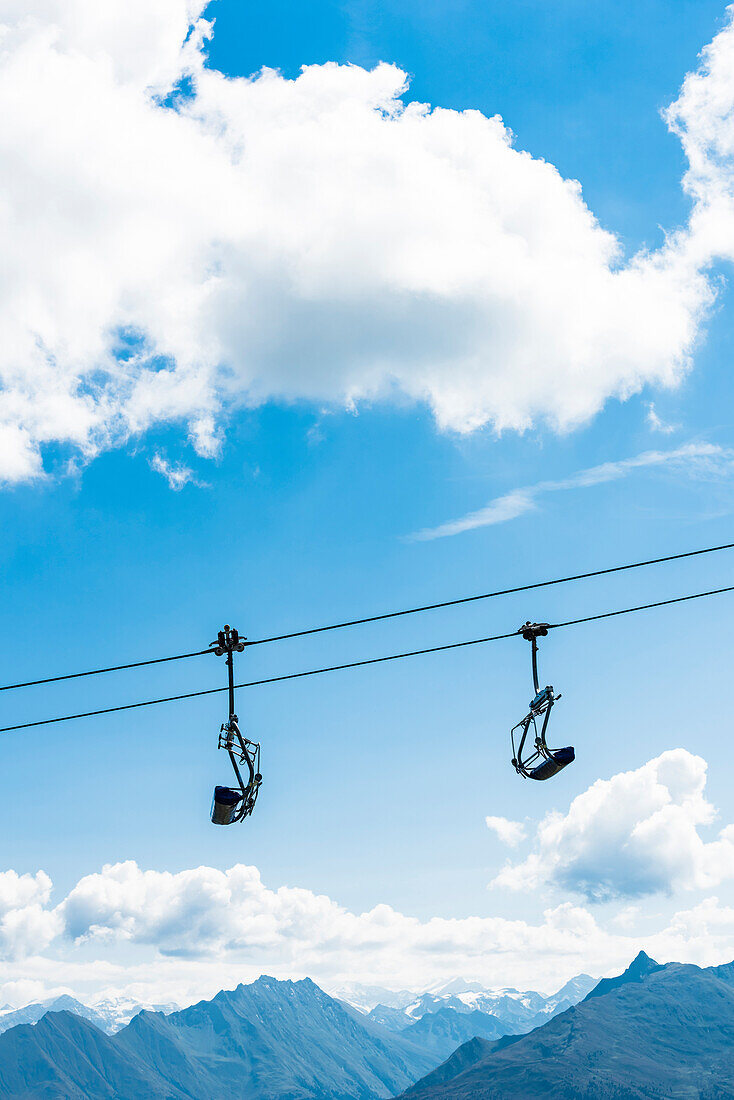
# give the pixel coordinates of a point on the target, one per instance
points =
(109, 1014)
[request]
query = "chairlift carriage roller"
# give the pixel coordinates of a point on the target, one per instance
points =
(539, 762)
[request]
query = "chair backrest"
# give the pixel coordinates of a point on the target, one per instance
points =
(224, 805)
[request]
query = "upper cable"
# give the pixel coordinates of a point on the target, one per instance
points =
(367, 661)
(384, 615)
(98, 671)
(490, 595)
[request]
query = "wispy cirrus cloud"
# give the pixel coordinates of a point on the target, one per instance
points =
(176, 473)
(656, 423)
(699, 459)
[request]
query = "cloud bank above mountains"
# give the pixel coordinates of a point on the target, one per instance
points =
(156, 935)
(178, 243)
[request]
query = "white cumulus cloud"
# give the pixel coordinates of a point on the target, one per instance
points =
(202, 917)
(27, 922)
(635, 834)
(509, 832)
(170, 252)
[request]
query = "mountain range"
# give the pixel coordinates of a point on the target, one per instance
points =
(271, 1040)
(655, 1031)
(514, 1012)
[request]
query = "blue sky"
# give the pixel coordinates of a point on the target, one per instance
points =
(304, 480)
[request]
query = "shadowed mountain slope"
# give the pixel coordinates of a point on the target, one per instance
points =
(656, 1031)
(274, 1039)
(65, 1057)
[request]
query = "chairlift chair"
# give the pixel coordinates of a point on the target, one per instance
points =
(231, 804)
(537, 761)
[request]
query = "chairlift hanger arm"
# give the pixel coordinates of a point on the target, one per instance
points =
(531, 632)
(230, 729)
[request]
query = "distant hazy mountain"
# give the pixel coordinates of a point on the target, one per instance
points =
(271, 1040)
(394, 1019)
(655, 1031)
(443, 1031)
(108, 1015)
(116, 1012)
(514, 1011)
(365, 997)
(456, 985)
(32, 1013)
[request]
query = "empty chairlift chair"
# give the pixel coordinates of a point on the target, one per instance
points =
(231, 804)
(536, 760)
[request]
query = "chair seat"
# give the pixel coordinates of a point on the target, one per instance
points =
(559, 759)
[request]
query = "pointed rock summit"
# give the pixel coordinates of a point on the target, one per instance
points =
(639, 969)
